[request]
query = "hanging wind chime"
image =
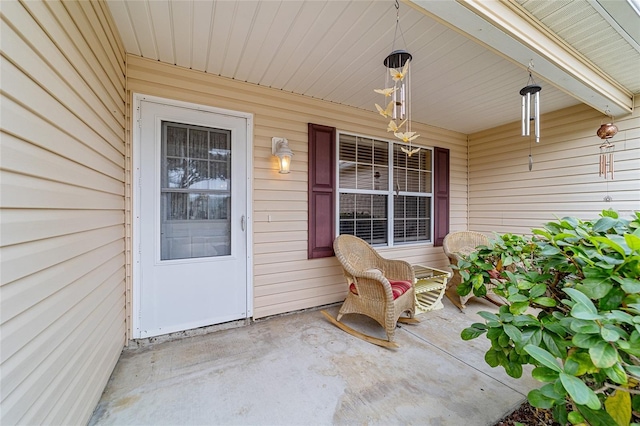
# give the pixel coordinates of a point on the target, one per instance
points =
(531, 90)
(397, 93)
(606, 132)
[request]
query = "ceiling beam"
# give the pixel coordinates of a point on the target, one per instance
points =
(508, 30)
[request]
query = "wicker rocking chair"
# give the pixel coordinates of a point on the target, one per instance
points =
(456, 244)
(379, 288)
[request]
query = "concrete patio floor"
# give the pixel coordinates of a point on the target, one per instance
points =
(299, 369)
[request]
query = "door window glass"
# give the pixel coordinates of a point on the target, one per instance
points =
(195, 192)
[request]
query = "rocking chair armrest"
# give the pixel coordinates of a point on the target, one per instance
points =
(398, 270)
(371, 284)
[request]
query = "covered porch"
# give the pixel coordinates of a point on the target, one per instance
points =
(300, 369)
(70, 288)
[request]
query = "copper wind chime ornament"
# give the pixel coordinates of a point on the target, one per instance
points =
(606, 132)
(397, 88)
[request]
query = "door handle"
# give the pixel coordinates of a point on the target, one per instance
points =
(242, 222)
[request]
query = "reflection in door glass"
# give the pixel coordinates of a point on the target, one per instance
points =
(195, 190)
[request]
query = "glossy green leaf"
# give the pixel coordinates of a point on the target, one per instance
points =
(538, 400)
(596, 417)
(544, 374)
(556, 328)
(532, 337)
(564, 236)
(616, 373)
(517, 298)
(471, 333)
(489, 316)
(545, 301)
(551, 391)
(506, 317)
(621, 317)
(633, 241)
(513, 333)
(550, 250)
(579, 363)
(584, 326)
(581, 298)
(504, 340)
(537, 290)
(603, 354)
(633, 370)
(579, 392)
(629, 285)
(554, 344)
(493, 358)
(581, 311)
(524, 321)
(519, 308)
(464, 288)
(609, 334)
(494, 332)
(586, 341)
(513, 369)
(543, 357)
(575, 418)
(609, 242)
(604, 224)
(543, 233)
(595, 288)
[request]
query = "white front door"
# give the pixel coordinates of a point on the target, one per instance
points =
(192, 218)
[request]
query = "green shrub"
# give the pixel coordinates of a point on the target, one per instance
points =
(572, 310)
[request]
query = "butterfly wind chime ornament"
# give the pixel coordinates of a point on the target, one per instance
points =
(397, 93)
(606, 132)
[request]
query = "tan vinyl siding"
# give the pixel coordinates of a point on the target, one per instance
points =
(62, 282)
(284, 280)
(504, 196)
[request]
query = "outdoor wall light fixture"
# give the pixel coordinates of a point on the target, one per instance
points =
(397, 92)
(527, 92)
(280, 148)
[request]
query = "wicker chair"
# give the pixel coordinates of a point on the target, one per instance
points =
(454, 245)
(379, 288)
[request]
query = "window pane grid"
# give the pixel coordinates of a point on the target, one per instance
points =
(363, 163)
(412, 174)
(195, 191)
(366, 191)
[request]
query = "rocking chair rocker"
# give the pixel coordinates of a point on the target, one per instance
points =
(379, 288)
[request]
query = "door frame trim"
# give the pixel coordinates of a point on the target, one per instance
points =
(134, 327)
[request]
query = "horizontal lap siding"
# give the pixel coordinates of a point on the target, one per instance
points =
(284, 280)
(62, 285)
(504, 196)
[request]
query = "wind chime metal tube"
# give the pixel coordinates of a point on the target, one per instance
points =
(524, 117)
(396, 62)
(537, 117)
(526, 92)
(606, 132)
(606, 159)
(403, 100)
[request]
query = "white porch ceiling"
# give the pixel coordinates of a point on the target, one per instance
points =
(333, 50)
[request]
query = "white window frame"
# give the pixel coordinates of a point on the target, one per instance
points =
(389, 192)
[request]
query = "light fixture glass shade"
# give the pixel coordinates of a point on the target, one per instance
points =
(280, 148)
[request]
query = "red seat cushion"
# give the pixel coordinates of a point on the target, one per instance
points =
(398, 288)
